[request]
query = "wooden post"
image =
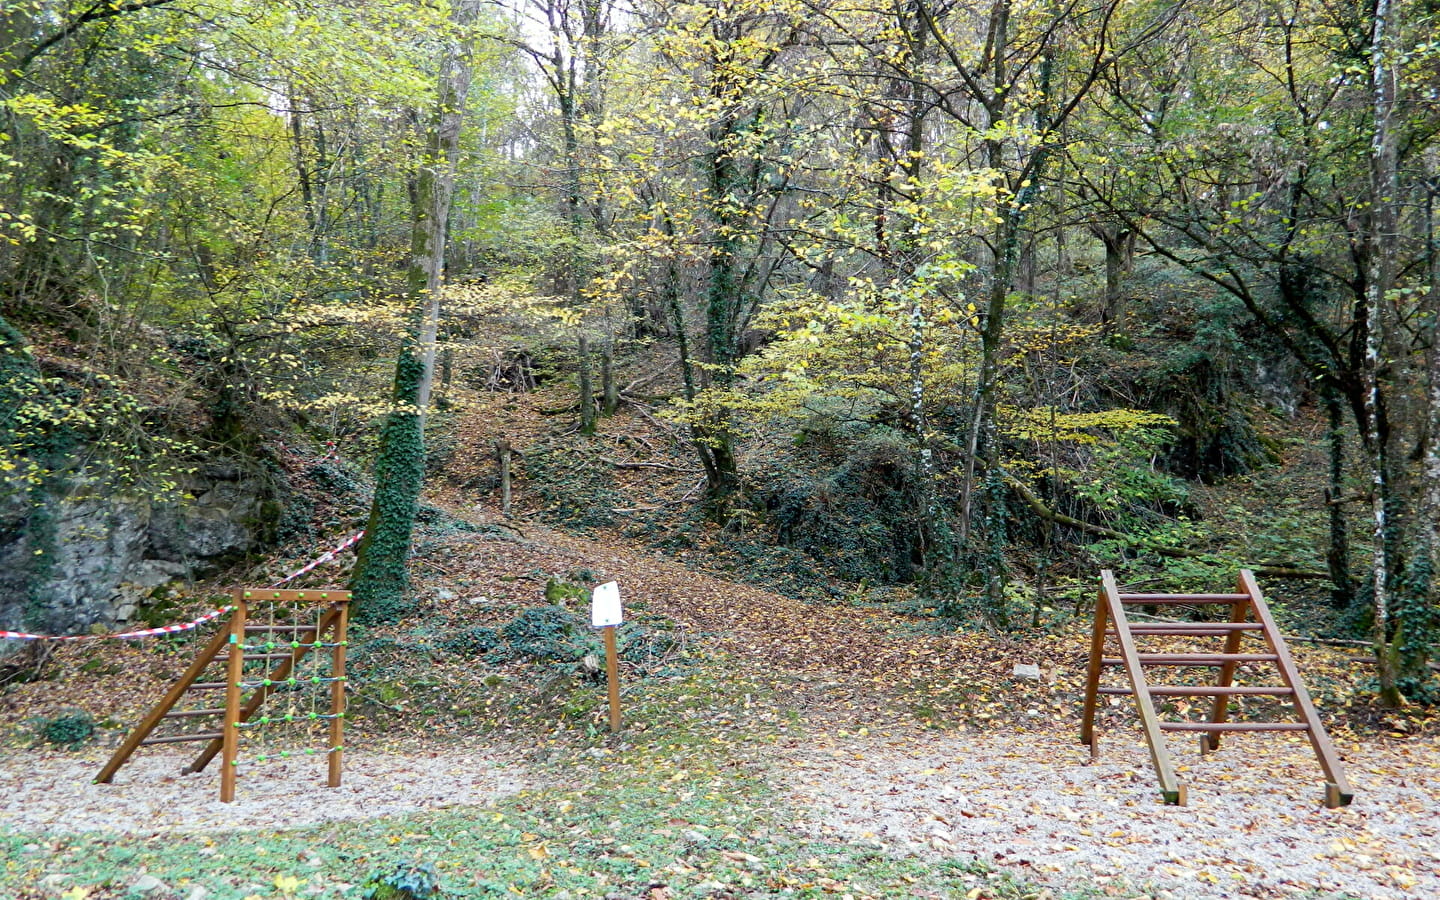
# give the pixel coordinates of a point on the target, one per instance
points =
(234, 674)
(1220, 710)
(337, 694)
(612, 673)
(502, 452)
(1092, 677)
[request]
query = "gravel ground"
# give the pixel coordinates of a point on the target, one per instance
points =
(53, 791)
(1254, 826)
(1030, 803)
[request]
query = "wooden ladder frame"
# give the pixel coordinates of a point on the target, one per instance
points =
(238, 709)
(1110, 610)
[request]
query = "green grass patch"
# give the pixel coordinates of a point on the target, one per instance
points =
(675, 806)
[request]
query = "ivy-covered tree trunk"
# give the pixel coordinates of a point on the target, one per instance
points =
(1337, 555)
(1017, 194)
(381, 576)
(716, 440)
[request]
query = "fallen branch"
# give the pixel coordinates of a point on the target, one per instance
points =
(647, 465)
(1040, 509)
(1350, 498)
(1332, 642)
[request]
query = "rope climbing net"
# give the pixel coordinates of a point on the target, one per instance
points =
(285, 680)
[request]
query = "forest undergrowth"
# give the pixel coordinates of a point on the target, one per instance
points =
(733, 696)
(745, 687)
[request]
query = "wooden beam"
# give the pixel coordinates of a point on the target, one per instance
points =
(229, 738)
(272, 595)
(1337, 791)
(1170, 787)
(337, 694)
(1220, 709)
(1092, 676)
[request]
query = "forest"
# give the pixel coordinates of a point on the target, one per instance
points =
(934, 308)
(1009, 277)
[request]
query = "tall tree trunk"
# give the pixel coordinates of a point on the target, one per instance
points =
(1429, 551)
(1380, 275)
(1119, 243)
(381, 576)
(609, 387)
(722, 301)
(984, 438)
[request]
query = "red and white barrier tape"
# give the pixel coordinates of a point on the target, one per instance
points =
(146, 632)
(187, 626)
(320, 560)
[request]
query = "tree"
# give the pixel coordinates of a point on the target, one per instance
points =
(380, 579)
(1309, 223)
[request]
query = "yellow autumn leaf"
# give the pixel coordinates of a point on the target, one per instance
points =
(287, 884)
(76, 893)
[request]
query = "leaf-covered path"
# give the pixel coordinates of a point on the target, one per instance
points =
(925, 742)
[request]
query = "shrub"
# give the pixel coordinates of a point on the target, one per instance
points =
(558, 591)
(861, 520)
(70, 730)
(547, 632)
(406, 881)
(472, 641)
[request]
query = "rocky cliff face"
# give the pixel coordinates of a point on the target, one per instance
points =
(86, 559)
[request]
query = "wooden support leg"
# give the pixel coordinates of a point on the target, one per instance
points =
(1337, 787)
(153, 718)
(337, 697)
(234, 674)
(1170, 787)
(1092, 679)
(1220, 710)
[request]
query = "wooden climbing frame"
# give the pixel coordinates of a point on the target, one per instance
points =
(1249, 617)
(244, 698)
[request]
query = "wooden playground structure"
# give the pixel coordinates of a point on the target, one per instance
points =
(267, 640)
(1248, 617)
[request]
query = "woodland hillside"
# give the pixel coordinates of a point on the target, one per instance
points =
(943, 306)
(852, 339)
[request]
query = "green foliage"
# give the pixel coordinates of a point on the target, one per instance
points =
(558, 592)
(647, 648)
(576, 487)
(1124, 485)
(71, 730)
(858, 520)
(549, 633)
(1214, 436)
(85, 428)
(474, 641)
(406, 881)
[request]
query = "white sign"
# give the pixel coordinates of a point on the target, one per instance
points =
(605, 606)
